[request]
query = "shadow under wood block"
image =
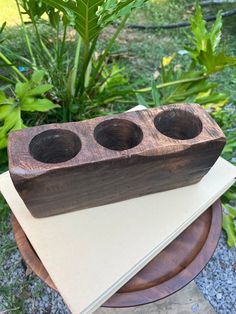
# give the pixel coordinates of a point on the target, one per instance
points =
(60, 168)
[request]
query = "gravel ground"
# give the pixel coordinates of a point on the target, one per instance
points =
(218, 279)
(22, 292)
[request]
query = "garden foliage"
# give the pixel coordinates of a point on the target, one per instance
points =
(66, 78)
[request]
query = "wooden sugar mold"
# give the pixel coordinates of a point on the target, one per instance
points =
(58, 168)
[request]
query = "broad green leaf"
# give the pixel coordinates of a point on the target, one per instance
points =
(198, 87)
(54, 17)
(112, 10)
(215, 62)
(4, 111)
(84, 11)
(70, 86)
(11, 120)
(7, 101)
(215, 33)
(41, 105)
(213, 98)
(37, 76)
(3, 141)
(231, 210)
(22, 88)
(2, 97)
(229, 195)
(198, 28)
(91, 16)
(34, 9)
(39, 90)
(113, 78)
(229, 227)
(187, 91)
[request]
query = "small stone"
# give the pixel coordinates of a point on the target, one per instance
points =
(223, 265)
(195, 308)
(219, 296)
(234, 267)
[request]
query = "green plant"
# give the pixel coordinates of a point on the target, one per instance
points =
(28, 96)
(193, 82)
(78, 77)
(226, 117)
(83, 69)
(85, 81)
(194, 85)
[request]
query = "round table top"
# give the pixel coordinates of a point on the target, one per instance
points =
(168, 272)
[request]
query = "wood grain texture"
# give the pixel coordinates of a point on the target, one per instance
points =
(168, 272)
(60, 168)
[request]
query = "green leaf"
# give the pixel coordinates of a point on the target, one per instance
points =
(42, 105)
(2, 97)
(230, 210)
(3, 141)
(54, 17)
(215, 33)
(4, 111)
(230, 195)
(91, 16)
(229, 227)
(113, 78)
(112, 10)
(215, 62)
(37, 76)
(84, 11)
(156, 94)
(198, 28)
(70, 86)
(22, 88)
(11, 122)
(35, 9)
(212, 98)
(141, 100)
(39, 90)
(2, 27)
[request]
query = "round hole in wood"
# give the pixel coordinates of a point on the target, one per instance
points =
(178, 124)
(118, 134)
(55, 146)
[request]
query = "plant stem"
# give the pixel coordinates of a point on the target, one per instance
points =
(26, 35)
(72, 80)
(75, 67)
(6, 79)
(14, 68)
(80, 87)
(41, 43)
(107, 50)
(89, 66)
(16, 56)
(88, 52)
(57, 43)
(62, 45)
(148, 89)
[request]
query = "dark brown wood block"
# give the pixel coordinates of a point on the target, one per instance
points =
(60, 168)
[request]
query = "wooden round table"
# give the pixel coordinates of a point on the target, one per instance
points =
(168, 272)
